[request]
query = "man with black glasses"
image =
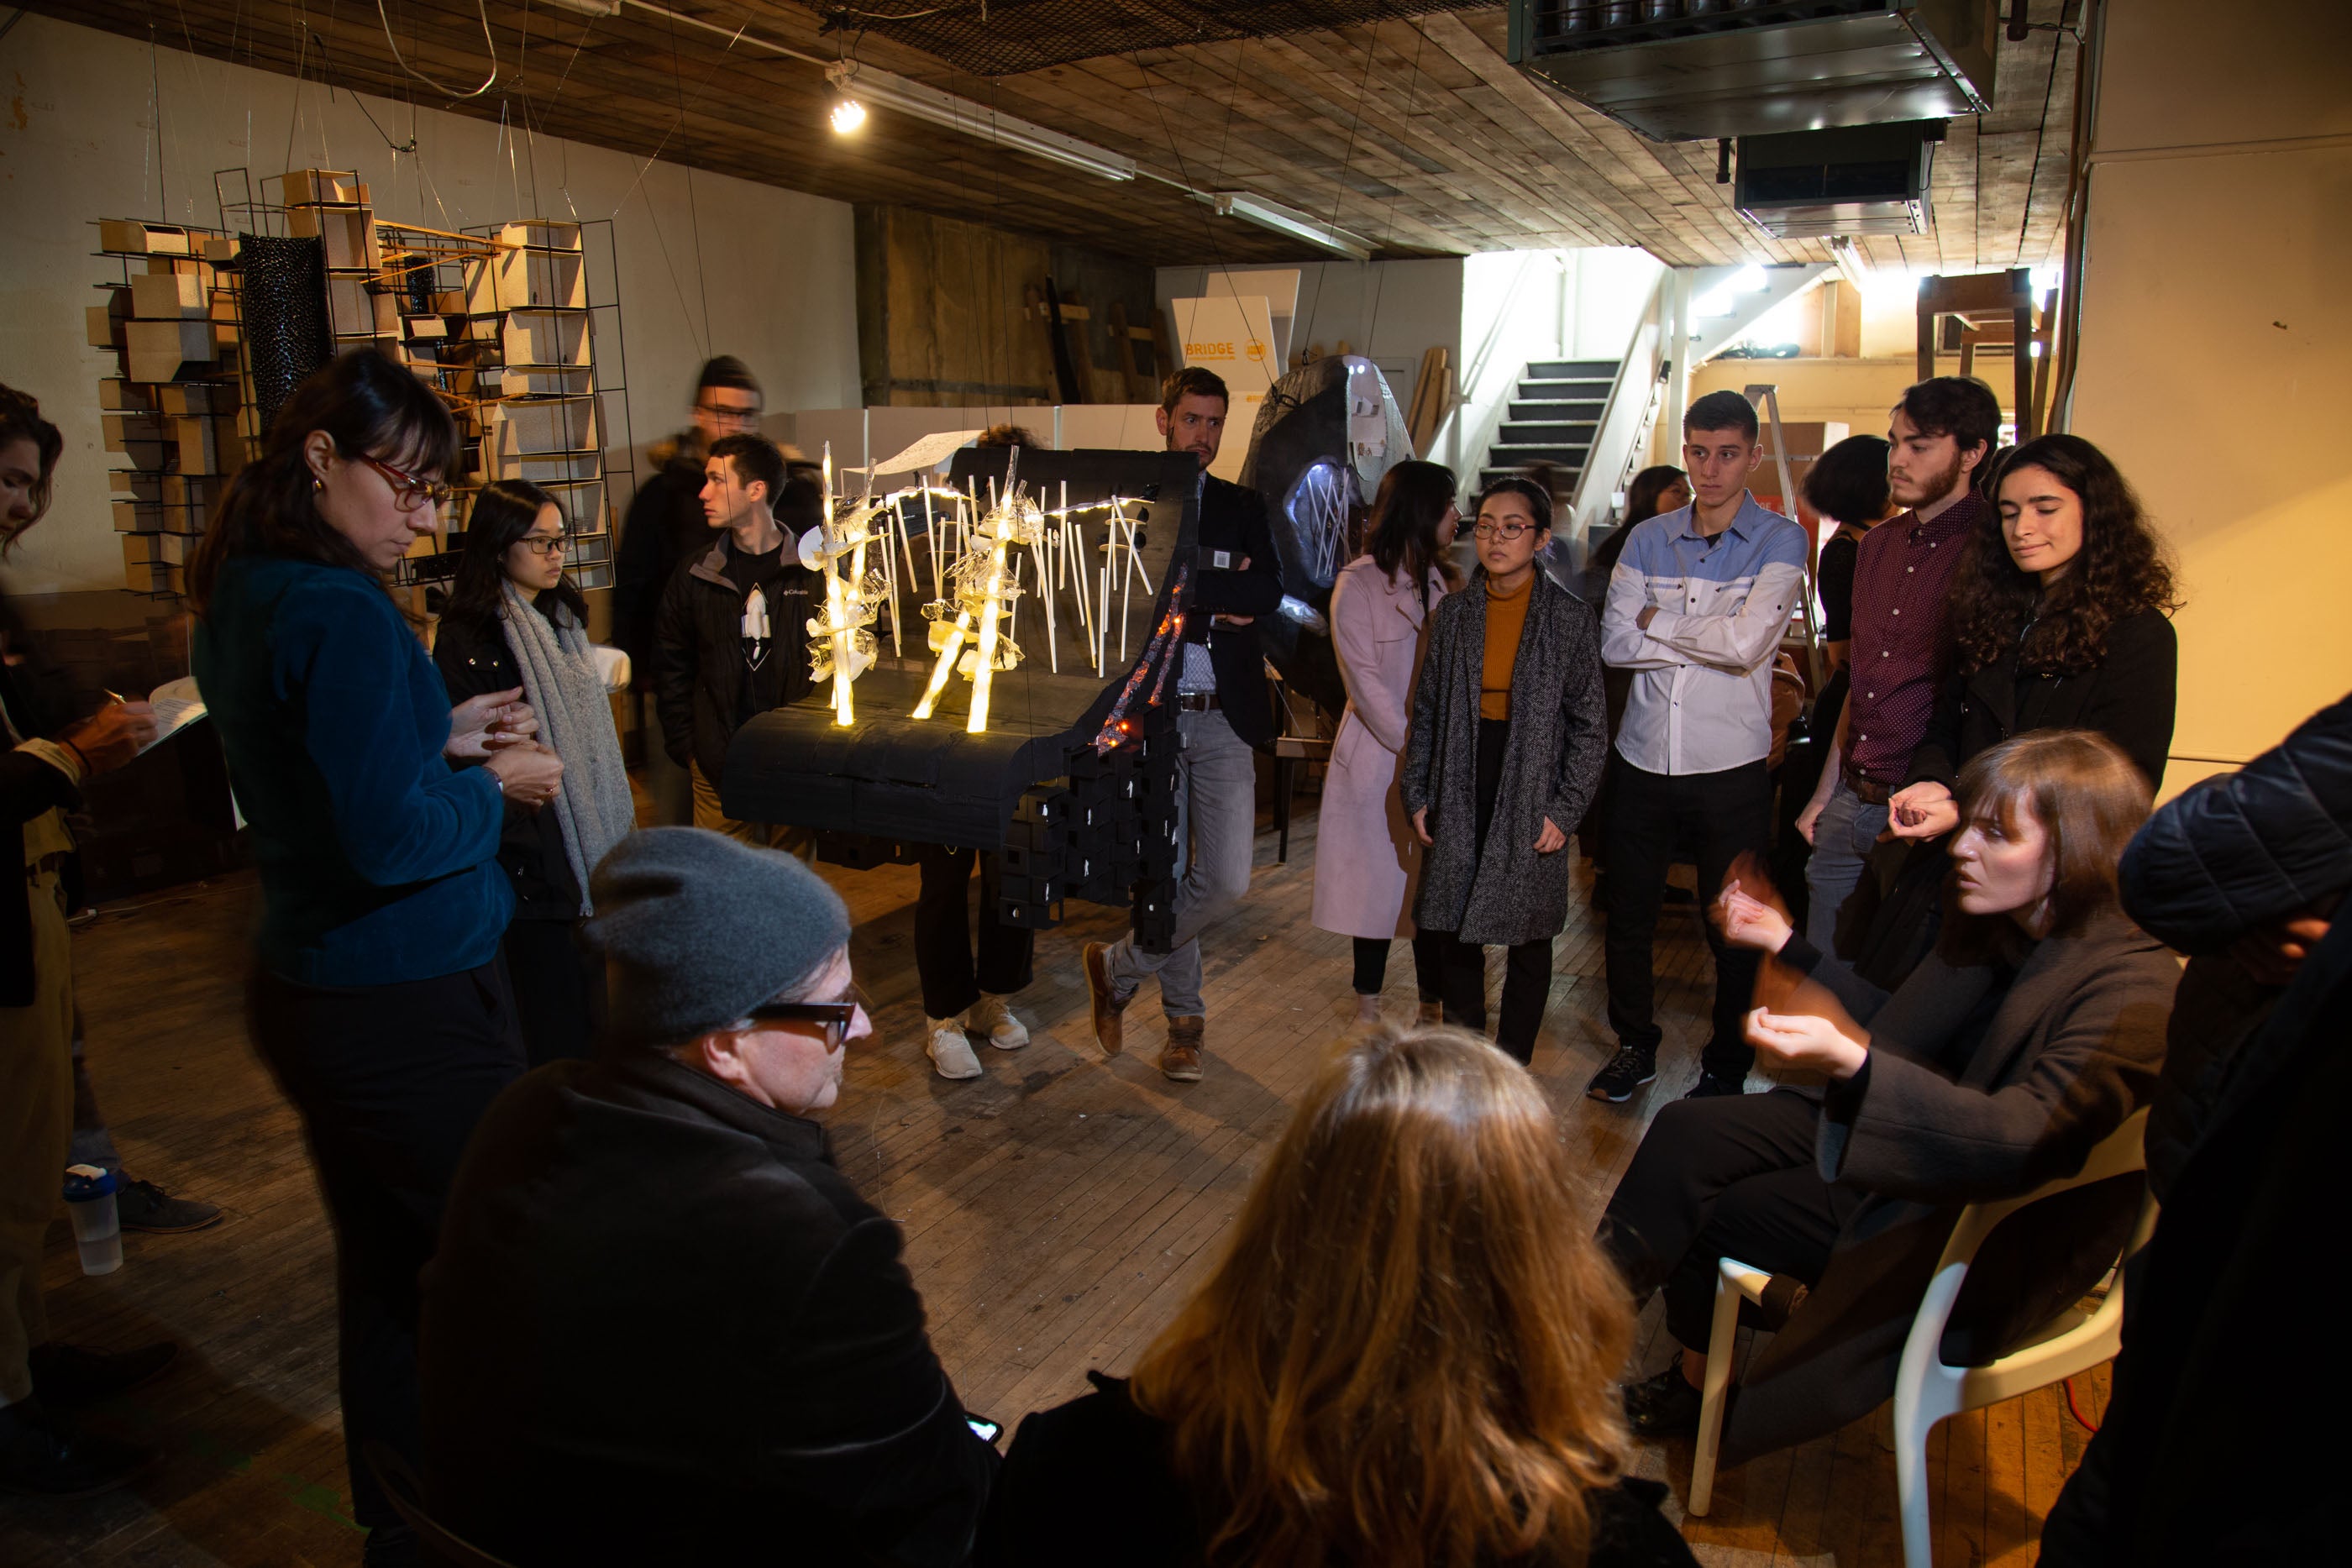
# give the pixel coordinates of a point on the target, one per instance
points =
(662, 1326)
(664, 525)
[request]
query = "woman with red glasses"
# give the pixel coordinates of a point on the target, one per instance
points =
(377, 996)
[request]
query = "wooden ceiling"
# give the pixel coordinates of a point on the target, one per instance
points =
(1413, 132)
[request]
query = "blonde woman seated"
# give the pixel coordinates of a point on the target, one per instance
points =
(1405, 1358)
(2030, 1033)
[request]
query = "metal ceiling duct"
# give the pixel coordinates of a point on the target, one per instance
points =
(1683, 71)
(1854, 181)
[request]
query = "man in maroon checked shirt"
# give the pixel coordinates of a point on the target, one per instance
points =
(1939, 433)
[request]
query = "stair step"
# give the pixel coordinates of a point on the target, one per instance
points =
(1545, 432)
(1503, 452)
(1572, 370)
(1580, 391)
(1585, 411)
(1564, 478)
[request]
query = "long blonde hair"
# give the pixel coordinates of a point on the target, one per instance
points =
(1407, 1355)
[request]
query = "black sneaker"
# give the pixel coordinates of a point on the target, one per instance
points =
(1665, 1405)
(41, 1456)
(68, 1374)
(1627, 1070)
(1711, 1083)
(143, 1206)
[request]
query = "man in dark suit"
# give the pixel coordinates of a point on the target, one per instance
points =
(1221, 714)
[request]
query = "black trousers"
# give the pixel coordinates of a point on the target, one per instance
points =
(1429, 951)
(1718, 816)
(1730, 1176)
(1526, 967)
(952, 980)
(558, 989)
(389, 1081)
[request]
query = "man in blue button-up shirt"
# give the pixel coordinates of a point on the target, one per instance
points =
(1696, 609)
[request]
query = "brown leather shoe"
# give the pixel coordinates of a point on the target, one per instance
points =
(1109, 1033)
(1180, 1061)
(1430, 1013)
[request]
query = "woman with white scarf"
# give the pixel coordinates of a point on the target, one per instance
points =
(512, 620)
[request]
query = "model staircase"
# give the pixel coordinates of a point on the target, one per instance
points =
(1553, 420)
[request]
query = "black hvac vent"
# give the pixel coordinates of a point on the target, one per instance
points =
(1679, 70)
(1857, 179)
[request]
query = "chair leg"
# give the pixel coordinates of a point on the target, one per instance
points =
(1722, 1344)
(1911, 1485)
(1286, 778)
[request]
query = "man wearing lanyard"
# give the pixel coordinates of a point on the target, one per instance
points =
(1221, 714)
(1939, 435)
(1696, 609)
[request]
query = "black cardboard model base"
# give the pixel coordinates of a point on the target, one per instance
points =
(1073, 781)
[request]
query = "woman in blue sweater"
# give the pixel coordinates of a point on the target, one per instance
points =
(376, 995)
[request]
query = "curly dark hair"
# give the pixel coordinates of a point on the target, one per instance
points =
(2121, 572)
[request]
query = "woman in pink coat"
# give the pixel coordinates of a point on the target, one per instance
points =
(1366, 856)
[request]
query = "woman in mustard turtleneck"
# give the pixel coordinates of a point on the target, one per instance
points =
(1508, 734)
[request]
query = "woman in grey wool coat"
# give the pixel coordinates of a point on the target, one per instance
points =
(1508, 736)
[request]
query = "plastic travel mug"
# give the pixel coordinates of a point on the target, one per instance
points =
(98, 1229)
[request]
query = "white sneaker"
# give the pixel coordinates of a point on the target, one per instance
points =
(992, 1017)
(950, 1053)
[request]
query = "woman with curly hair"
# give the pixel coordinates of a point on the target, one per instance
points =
(2060, 620)
(1403, 1359)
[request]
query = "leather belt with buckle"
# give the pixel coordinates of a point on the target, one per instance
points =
(1868, 793)
(1197, 702)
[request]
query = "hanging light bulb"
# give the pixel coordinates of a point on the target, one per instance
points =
(848, 114)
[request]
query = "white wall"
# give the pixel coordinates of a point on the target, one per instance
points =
(1390, 312)
(771, 277)
(2215, 328)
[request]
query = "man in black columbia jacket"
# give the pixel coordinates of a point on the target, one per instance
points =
(731, 639)
(662, 1326)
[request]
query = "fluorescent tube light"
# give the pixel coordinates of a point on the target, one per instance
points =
(1270, 215)
(878, 89)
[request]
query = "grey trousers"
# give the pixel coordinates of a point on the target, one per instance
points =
(1843, 839)
(1216, 811)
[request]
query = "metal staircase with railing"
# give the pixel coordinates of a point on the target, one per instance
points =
(1551, 420)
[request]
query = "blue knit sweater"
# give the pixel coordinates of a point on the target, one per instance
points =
(377, 859)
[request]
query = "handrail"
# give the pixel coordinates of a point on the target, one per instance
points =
(1469, 447)
(1644, 356)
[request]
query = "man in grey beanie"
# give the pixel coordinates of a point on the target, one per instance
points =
(661, 1326)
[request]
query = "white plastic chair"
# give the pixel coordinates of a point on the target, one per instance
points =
(1925, 1389)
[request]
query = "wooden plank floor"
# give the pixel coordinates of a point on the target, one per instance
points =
(1057, 1210)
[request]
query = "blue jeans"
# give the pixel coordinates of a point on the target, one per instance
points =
(1217, 820)
(1843, 837)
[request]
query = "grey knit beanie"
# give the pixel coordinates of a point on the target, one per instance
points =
(699, 929)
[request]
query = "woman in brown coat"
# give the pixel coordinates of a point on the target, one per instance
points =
(2030, 1033)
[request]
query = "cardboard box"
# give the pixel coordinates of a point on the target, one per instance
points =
(531, 337)
(171, 350)
(136, 485)
(350, 236)
(134, 236)
(114, 394)
(218, 248)
(548, 424)
(543, 233)
(197, 397)
(103, 327)
(312, 185)
(130, 518)
(206, 445)
(529, 279)
(141, 549)
(192, 492)
(170, 296)
(124, 430)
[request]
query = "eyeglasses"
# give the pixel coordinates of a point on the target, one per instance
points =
(550, 545)
(833, 1015)
(1487, 530)
(723, 411)
(409, 491)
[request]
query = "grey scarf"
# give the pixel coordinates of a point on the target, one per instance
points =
(575, 721)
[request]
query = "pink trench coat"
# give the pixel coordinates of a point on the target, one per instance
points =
(1366, 857)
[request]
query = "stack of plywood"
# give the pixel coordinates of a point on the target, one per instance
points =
(169, 410)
